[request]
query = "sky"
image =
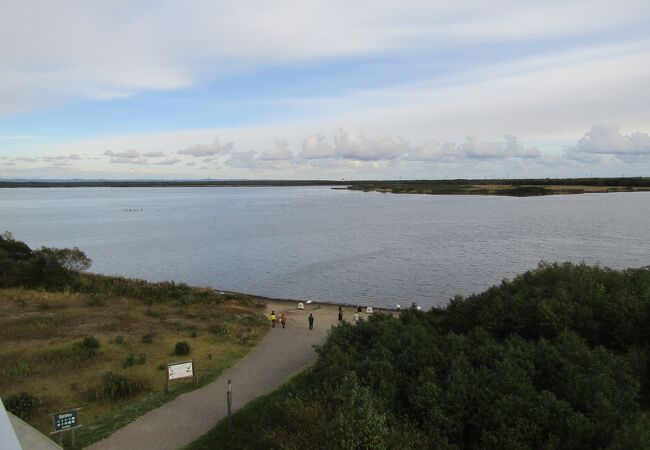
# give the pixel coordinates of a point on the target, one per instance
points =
(324, 89)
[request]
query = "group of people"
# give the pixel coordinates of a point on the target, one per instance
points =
(283, 320)
(357, 314)
(310, 319)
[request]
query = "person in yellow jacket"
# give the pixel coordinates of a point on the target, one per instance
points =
(273, 318)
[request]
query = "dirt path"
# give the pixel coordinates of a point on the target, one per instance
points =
(280, 354)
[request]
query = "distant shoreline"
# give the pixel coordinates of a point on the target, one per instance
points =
(501, 187)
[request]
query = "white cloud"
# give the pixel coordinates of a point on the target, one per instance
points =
(353, 145)
(128, 160)
(280, 152)
(167, 162)
(153, 154)
(202, 150)
(435, 151)
(54, 50)
(510, 147)
(315, 147)
(243, 160)
(608, 140)
(131, 153)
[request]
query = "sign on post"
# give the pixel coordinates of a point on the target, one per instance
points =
(66, 421)
(180, 371)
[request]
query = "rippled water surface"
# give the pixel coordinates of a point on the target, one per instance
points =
(330, 245)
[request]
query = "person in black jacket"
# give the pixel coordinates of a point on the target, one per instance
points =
(311, 321)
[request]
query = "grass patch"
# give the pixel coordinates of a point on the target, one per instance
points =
(60, 354)
(104, 425)
(251, 423)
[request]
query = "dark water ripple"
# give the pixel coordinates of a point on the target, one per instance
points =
(330, 245)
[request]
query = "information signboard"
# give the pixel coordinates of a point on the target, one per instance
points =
(66, 420)
(180, 370)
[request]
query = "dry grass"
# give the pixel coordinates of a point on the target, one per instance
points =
(39, 329)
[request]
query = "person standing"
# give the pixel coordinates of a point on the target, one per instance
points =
(283, 319)
(311, 321)
(340, 313)
(273, 317)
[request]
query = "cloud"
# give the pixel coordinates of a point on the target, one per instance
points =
(167, 162)
(128, 160)
(510, 147)
(107, 51)
(349, 144)
(153, 154)
(244, 160)
(356, 146)
(280, 152)
(74, 157)
(29, 160)
(608, 140)
(435, 151)
(353, 145)
(315, 147)
(202, 150)
(131, 153)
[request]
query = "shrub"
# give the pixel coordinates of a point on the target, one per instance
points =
(115, 387)
(23, 405)
(148, 338)
(118, 340)
(87, 348)
(128, 362)
(182, 348)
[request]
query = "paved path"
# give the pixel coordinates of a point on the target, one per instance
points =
(280, 354)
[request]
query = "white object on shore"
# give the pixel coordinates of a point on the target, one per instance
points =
(369, 310)
(308, 302)
(398, 306)
(418, 307)
(301, 305)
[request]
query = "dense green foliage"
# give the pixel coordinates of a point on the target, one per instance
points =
(115, 386)
(182, 348)
(46, 267)
(552, 359)
(24, 405)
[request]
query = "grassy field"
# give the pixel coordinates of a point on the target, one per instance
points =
(47, 350)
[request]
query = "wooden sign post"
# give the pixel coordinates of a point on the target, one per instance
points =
(180, 371)
(229, 399)
(66, 421)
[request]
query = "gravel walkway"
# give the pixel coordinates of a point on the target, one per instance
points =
(281, 353)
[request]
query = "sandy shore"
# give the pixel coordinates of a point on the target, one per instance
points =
(325, 314)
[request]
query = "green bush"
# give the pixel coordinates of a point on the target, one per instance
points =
(182, 348)
(128, 362)
(148, 338)
(24, 405)
(114, 387)
(88, 348)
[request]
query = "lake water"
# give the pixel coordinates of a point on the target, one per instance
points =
(329, 245)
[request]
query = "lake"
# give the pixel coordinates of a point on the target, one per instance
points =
(329, 245)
